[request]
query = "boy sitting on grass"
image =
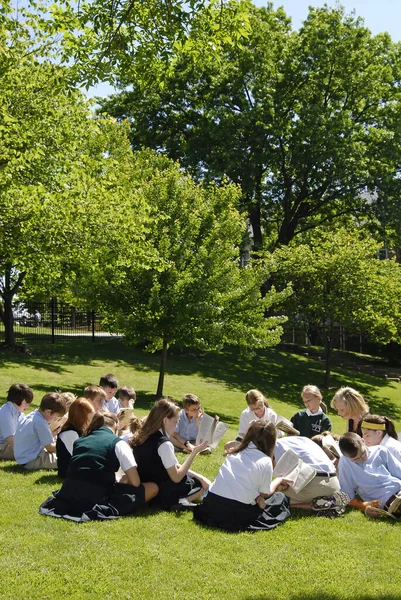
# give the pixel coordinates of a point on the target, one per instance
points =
(34, 446)
(110, 384)
(372, 473)
(186, 432)
(19, 396)
(97, 396)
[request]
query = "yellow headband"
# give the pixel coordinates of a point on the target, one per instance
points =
(375, 426)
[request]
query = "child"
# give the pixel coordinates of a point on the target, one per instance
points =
(79, 417)
(57, 424)
(19, 396)
(90, 490)
(96, 395)
(186, 432)
(258, 410)
(154, 454)
(380, 431)
(350, 405)
(237, 498)
(323, 491)
(313, 420)
(126, 397)
(372, 473)
(34, 446)
(110, 384)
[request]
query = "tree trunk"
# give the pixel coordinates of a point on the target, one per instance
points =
(9, 335)
(328, 349)
(160, 384)
(10, 288)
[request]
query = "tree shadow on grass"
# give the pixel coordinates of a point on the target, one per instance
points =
(277, 373)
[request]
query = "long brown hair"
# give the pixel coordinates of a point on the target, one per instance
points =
(260, 433)
(102, 420)
(162, 409)
(78, 415)
(388, 423)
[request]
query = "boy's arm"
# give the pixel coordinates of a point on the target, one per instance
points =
(360, 505)
(179, 442)
(50, 447)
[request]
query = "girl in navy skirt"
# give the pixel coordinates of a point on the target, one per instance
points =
(243, 495)
(156, 460)
(90, 490)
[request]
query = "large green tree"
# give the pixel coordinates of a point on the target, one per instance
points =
(194, 294)
(139, 40)
(338, 279)
(303, 121)
(63, 181)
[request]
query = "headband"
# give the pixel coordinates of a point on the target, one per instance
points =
(375, 426)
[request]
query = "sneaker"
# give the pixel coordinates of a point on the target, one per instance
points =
(330, 513)
(183, 504)
(338, 501)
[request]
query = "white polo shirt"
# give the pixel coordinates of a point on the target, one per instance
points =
(247, 416)
(244, 475)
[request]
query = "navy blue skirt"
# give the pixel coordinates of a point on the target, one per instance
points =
(232, 515)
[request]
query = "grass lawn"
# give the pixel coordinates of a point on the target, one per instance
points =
(167, 556)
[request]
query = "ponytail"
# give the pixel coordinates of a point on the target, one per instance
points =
(102, 420)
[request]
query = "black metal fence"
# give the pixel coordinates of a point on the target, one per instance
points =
(34, 320)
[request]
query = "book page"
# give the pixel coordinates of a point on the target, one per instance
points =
(205, 431)
(294, 470)
(210, 429)
(124, 416)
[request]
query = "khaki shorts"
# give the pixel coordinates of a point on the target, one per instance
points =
(45, 460)
(319, 486)
(6, 452)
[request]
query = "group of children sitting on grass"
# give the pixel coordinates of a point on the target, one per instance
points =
(110, 470)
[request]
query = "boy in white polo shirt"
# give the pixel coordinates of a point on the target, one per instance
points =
(34, 446)
(372, 473)
(19, 396)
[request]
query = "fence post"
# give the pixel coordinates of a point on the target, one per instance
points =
(53, 316)
(93, 325)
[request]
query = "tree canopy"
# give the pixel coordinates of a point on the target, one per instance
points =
(62, 180)
(338, 279)
(194, 294)
(304, 122)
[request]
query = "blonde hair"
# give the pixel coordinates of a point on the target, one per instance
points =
(314, 391)
(353, 401)
(254, 396)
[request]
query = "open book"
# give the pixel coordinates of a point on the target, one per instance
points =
(210, 429)
(124, 417)
(294, 470)
(57, 424)
(285, 426)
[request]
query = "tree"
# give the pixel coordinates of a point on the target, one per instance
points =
(195, 294)
(303, 121)
(63, 178)
(108, 40)
(338, 279)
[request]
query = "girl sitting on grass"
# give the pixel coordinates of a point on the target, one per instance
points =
(380, 431)
(243, 495)
(79, 417)
(154, 455)
(313, 419)
(90, 490)
(258, 410)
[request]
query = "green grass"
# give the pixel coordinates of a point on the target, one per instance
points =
(168, 556)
